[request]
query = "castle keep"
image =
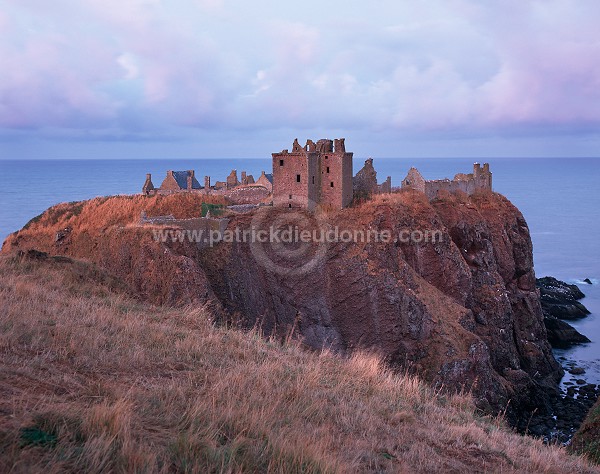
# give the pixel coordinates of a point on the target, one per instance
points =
(317, 173)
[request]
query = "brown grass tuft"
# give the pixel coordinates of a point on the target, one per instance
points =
(92, 380)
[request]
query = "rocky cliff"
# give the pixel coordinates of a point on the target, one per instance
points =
(461, 309)
(560, 301)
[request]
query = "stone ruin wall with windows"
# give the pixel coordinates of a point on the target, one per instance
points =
(317, 173)
(479, 180)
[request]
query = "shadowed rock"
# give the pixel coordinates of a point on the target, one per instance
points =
(562, 335)
(559, 299)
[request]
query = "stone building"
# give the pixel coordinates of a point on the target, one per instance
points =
(148, 189)
(365, 182)
(232, 180)
(480, 179)
(317, 173)
(176, 181)
(185, 181)
(265, 180)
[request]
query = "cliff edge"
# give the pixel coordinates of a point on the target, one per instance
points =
(462, 311)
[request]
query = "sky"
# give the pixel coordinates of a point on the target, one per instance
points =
(233, 78)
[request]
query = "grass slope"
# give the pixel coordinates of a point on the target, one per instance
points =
(93, 380)
(587, 439)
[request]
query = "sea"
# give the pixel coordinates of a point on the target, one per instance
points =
(559, 197)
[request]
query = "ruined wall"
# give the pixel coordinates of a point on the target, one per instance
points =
(365, 181)
(169, 183)
(247, 180)
(148, 188)
(482, 176)
(347, 172)
(386, 186)
(244, 192)
(264, 182)
(414, 180)
(232, 179)
(433, 187)
(336, 179)
(480, 179)
(314, 180)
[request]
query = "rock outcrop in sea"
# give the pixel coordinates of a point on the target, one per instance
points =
(560, 301)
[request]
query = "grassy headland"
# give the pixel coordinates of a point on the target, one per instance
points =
(92, 379)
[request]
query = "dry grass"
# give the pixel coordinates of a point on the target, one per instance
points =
(120, 210)
(92, 380)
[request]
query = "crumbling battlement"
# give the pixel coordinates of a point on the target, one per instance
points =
(365, 182)
(479, 180)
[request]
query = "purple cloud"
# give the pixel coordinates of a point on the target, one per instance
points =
(139, 68)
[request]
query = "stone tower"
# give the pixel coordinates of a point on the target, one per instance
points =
(318, 173)
(482, 176)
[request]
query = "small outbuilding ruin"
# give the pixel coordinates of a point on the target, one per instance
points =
(480, 179)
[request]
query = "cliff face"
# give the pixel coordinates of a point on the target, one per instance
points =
(462, 311)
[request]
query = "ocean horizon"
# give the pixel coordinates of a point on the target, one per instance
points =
(558, 197)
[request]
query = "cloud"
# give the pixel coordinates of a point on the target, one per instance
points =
(45, 82)
(129, 64)
(549, 74)
(146, 67)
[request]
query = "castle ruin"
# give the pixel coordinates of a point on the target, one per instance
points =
(185, 181)
(365, 182)
(317, 173)
(313, 174)
(480, 179)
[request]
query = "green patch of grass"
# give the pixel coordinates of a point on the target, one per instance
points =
(34, 436)
(48, 427)
(593, 451)
(215, 209)
(587, 441)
